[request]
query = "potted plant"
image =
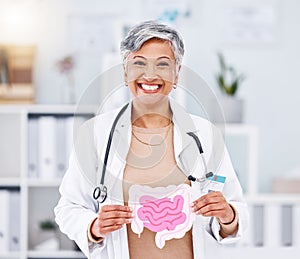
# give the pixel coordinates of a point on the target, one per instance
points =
(66, 67)
(229, 82)
(48, 235)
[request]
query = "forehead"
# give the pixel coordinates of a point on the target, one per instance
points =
(155, 48)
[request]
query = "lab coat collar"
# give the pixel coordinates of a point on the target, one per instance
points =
(184, 148)
(183, 123)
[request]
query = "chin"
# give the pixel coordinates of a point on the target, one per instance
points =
(151, 99)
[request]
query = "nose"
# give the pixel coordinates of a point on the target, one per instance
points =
(150, 78)
(149, 73)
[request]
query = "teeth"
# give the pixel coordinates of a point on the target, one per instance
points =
(149, 87)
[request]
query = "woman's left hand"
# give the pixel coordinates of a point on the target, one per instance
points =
(213, 204)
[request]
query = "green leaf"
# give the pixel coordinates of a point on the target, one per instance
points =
(48, 225)
(228, 79)
(222, 61)
(234, 87)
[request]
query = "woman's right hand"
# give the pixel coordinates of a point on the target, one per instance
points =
(111, 218)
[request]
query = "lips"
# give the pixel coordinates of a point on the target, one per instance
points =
(149, 88)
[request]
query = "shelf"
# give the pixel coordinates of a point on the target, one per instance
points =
(40, 195)
(261, 252)
(240, 129)
(43, 183)
(10, 182)
(276, 198)
(9, 255)
(48, 109)
(55, 254)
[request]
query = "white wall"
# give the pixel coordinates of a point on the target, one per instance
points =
(271, 90)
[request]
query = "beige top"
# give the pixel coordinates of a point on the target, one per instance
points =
(154, 165)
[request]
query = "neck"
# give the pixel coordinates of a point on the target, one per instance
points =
(154, 115)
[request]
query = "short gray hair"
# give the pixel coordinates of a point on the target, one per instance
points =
(148, 30)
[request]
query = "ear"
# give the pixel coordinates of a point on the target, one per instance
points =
(177, 75)
(125, 74)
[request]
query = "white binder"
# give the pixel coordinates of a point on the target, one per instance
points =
(14, 226)
(296, 226)
(272, 224)
(47, 147)
(61, 165)
(33, 148)
(4, 221)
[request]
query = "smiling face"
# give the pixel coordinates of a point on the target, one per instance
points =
(151, 71)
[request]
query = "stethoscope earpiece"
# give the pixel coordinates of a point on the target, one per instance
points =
(100, 193)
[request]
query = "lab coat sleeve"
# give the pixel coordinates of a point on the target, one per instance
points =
(232, 192)
(76, 207)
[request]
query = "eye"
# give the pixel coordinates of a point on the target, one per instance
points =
(162, 64)
(139, 63)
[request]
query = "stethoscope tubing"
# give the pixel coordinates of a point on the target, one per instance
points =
(100, 192)
(110, 138)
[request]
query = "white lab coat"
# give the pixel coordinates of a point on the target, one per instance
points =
(77, 208)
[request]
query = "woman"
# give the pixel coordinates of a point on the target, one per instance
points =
(151, 148)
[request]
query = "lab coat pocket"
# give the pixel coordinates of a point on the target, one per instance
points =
(212, 249)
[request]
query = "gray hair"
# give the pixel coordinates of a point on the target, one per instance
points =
(148, 30)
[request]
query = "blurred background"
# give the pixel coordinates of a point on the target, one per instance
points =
(51, 50)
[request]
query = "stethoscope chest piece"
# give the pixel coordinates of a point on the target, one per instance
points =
(100, 193)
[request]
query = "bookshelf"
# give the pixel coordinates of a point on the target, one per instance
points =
(38, 196)
(274, 228)
(242, 144)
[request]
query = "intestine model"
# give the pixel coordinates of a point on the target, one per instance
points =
(164, 210)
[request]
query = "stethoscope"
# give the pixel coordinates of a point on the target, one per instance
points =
(100, 192)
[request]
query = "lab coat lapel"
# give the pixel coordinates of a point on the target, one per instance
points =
(185, 148)
(120, 147)
(118, 153)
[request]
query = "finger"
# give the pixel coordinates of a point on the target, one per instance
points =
(214, 197)
(114, 222)
(105, 231)
(115, 214)
(212, 213)
(211, 195)
(210, 208)
(107, 208)
(210, 202)
(198, 207)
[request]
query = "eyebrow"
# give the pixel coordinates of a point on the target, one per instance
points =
(162, 57)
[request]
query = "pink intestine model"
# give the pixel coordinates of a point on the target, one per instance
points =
(164, 210)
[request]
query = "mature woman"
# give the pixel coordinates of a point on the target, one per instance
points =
(150, 147)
